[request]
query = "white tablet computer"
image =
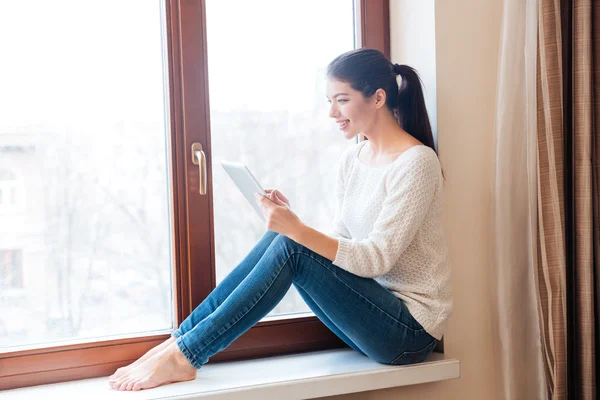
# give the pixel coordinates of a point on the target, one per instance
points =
(246, 182)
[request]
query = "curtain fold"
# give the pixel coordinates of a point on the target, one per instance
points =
(596, 170)
(583, 263)
(514, 208)
(568, 208)
(551, 267)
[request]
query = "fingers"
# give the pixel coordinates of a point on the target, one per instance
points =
(271, 193)
(274, 193)
(282, 197)
(278, 193)
(277, 200)
(260, 200)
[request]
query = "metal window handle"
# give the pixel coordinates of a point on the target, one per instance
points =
(199, 159)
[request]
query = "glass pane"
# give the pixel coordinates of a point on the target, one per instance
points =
(83, 131)
(269, 111)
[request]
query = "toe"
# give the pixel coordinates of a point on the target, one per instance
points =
(137, 386)
(130, 384)
(123, 384)
(117, 383)
(124, 380)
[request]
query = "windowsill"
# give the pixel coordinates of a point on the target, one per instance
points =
(294, 376)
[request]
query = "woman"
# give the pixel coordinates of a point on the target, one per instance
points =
(380, 280)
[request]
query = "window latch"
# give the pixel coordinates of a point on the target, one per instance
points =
(199, 159)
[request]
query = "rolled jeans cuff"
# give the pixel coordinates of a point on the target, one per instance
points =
(184, 350)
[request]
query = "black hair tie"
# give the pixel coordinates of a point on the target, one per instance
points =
(398, 69)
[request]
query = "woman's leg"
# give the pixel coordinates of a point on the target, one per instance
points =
(361, 312)
(323, 318)
(219, 294)
(227, 285)
(214, 299)
(371, 317)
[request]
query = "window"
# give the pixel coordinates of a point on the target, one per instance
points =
(120, 227)
(246, 113)
(100, 223)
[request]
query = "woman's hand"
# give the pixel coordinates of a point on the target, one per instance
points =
(278, 194)
(280, 217)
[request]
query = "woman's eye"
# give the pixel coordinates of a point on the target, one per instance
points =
(342, 100)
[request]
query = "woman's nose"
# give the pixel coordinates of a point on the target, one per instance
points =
(332, 111)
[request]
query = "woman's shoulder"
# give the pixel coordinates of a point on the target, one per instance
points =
(415, 156)
(417, 163)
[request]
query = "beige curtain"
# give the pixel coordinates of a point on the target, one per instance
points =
(514, 208)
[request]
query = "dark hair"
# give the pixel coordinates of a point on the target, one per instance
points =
(367, 70)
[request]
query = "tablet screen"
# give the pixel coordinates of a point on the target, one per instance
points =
(246, 183)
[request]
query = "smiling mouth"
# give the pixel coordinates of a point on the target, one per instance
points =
(344, 124)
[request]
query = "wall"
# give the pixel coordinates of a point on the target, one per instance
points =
(467, 37)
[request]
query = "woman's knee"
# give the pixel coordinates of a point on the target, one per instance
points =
(285, 242)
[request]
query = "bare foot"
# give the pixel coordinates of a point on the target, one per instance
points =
(123, 370)
(167, 366)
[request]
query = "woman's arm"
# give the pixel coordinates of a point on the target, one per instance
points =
(316, 241)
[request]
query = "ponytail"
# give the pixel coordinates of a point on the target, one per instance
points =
(410, 109)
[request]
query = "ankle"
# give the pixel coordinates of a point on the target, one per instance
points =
(178, 355)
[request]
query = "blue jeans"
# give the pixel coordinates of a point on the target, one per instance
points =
(361, 312)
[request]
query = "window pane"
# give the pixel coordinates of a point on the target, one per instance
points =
(83, 128)
(269, 111)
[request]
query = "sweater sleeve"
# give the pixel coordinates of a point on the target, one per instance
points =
(409, 194)
(339, 229)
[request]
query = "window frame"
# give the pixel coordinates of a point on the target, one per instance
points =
(185, 22)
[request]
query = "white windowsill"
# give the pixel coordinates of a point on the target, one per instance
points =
(294, 376)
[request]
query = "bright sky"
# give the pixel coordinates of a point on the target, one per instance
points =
(80, 62)
(273, 63)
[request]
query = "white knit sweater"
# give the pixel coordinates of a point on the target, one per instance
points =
(388, 223)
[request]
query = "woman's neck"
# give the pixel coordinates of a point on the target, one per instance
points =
(386, 136)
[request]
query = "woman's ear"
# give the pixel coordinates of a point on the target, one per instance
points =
(380, 98)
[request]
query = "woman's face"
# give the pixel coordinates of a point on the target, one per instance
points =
(351, 111)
